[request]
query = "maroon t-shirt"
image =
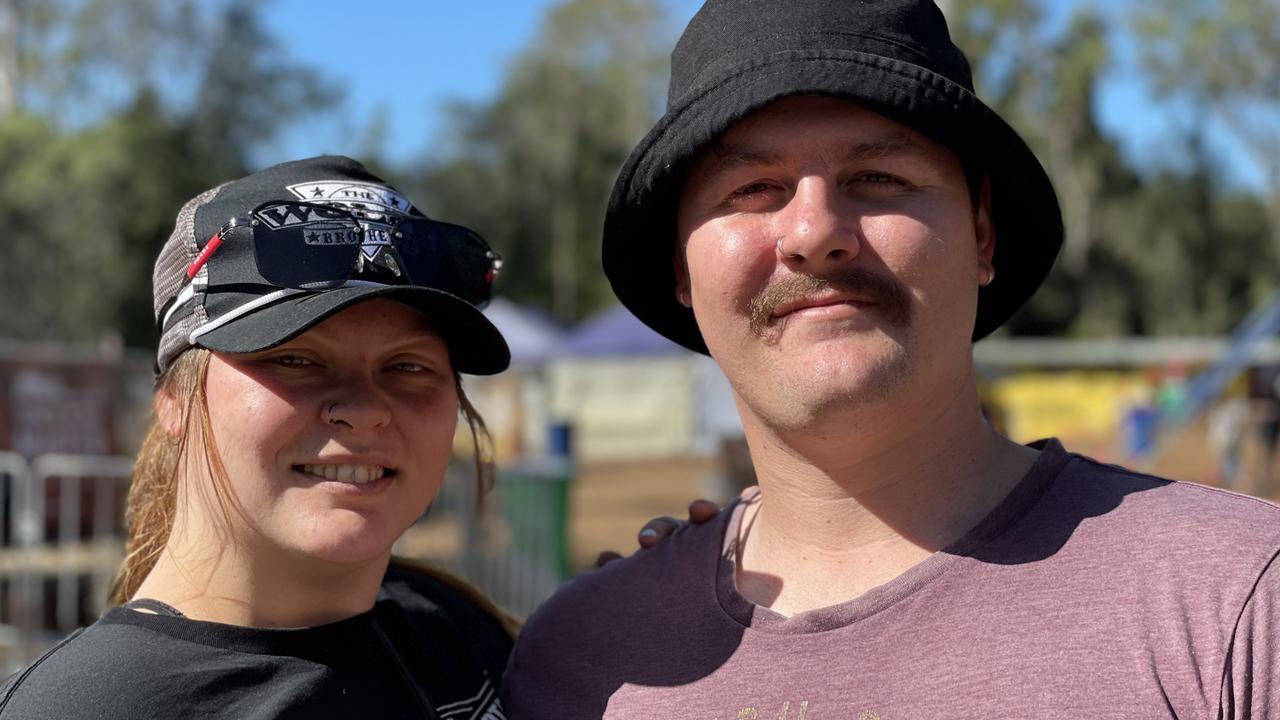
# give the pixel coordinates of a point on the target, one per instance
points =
(1089, 592)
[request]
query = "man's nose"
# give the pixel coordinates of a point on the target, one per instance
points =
(817, 228)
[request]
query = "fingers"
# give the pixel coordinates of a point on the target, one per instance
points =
(656, 530)
(701, 510)
(606, 557)
(659, 528)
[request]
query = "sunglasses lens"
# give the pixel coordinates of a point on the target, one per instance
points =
(298, 245)
(447, 257)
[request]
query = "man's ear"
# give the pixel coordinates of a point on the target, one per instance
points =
(169, 413)
(683, 294)
(985, 233)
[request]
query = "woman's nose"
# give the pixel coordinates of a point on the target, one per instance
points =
(357, 406)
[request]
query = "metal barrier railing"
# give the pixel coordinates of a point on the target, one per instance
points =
(513, 545)
(62, 542)
(62, 532)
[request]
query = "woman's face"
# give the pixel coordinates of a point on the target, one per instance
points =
(335, 442)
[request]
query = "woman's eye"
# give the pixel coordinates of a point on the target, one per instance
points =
(292, 361)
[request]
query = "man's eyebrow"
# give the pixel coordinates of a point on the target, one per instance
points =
(894, 146)
(731, 157)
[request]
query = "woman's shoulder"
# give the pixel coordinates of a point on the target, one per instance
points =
(435, 596)
(415, 581)
(105, 670)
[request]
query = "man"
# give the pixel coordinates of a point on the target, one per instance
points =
(830, 212)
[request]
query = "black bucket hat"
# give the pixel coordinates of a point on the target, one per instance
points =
(218, 298)
(894, 57)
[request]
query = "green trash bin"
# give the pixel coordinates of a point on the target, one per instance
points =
(535, 503)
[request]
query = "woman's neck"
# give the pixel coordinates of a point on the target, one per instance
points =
(232, 584)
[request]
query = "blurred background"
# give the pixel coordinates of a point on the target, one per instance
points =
(1152, 344)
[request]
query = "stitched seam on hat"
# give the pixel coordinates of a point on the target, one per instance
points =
(932, 79)
(829, 33)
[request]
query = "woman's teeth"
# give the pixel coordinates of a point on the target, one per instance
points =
(353, 474)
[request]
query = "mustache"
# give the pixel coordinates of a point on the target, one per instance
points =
(888, 296)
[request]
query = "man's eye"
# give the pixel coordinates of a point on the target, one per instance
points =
(410, 367)
(291, 361)
(752, 189)
(876, 178)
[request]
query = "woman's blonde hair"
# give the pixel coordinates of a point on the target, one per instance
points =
(153, 490)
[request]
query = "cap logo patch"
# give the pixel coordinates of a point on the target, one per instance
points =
(324, 226)
(376, 206)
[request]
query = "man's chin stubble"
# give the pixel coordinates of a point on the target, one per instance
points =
(819, 403)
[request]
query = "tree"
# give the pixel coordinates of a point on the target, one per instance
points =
(532, 169)
(67, 57)
(1219, 56)
(87, 207)
(1143, 253)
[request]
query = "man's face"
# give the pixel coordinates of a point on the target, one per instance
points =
(832, 258)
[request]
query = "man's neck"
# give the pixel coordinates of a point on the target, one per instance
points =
(256, 589)
(843, 512)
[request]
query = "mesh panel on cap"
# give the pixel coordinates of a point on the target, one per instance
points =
(170, 275)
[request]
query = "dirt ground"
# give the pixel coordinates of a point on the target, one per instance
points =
(609, 502)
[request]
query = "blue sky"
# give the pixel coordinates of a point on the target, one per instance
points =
(411, 57)
(402, 61)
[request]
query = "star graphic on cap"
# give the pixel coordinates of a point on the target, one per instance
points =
(317, 192)
(376, 238)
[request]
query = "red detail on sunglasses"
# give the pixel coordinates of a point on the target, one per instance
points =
(214, 243)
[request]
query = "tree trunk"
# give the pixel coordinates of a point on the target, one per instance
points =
(564, 206)
(8, 56)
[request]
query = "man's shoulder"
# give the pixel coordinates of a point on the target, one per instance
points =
(1162, 496)
(650, 619)
(1174, 516)
(633, 600)
(643, 584)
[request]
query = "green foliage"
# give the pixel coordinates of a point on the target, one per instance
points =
(64, 57)
(1170, 254)
(1220, 57)
(87, 208)
(532, 169)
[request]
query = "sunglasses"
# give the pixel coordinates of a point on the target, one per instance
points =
(315, 246)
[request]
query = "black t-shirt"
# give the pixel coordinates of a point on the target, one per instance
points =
(423, 651)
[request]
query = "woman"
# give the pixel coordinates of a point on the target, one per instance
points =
(313, 324)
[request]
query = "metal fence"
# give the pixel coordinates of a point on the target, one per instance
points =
(62, 537)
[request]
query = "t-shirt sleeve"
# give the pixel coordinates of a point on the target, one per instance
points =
(1251, 682)
(525, 692)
